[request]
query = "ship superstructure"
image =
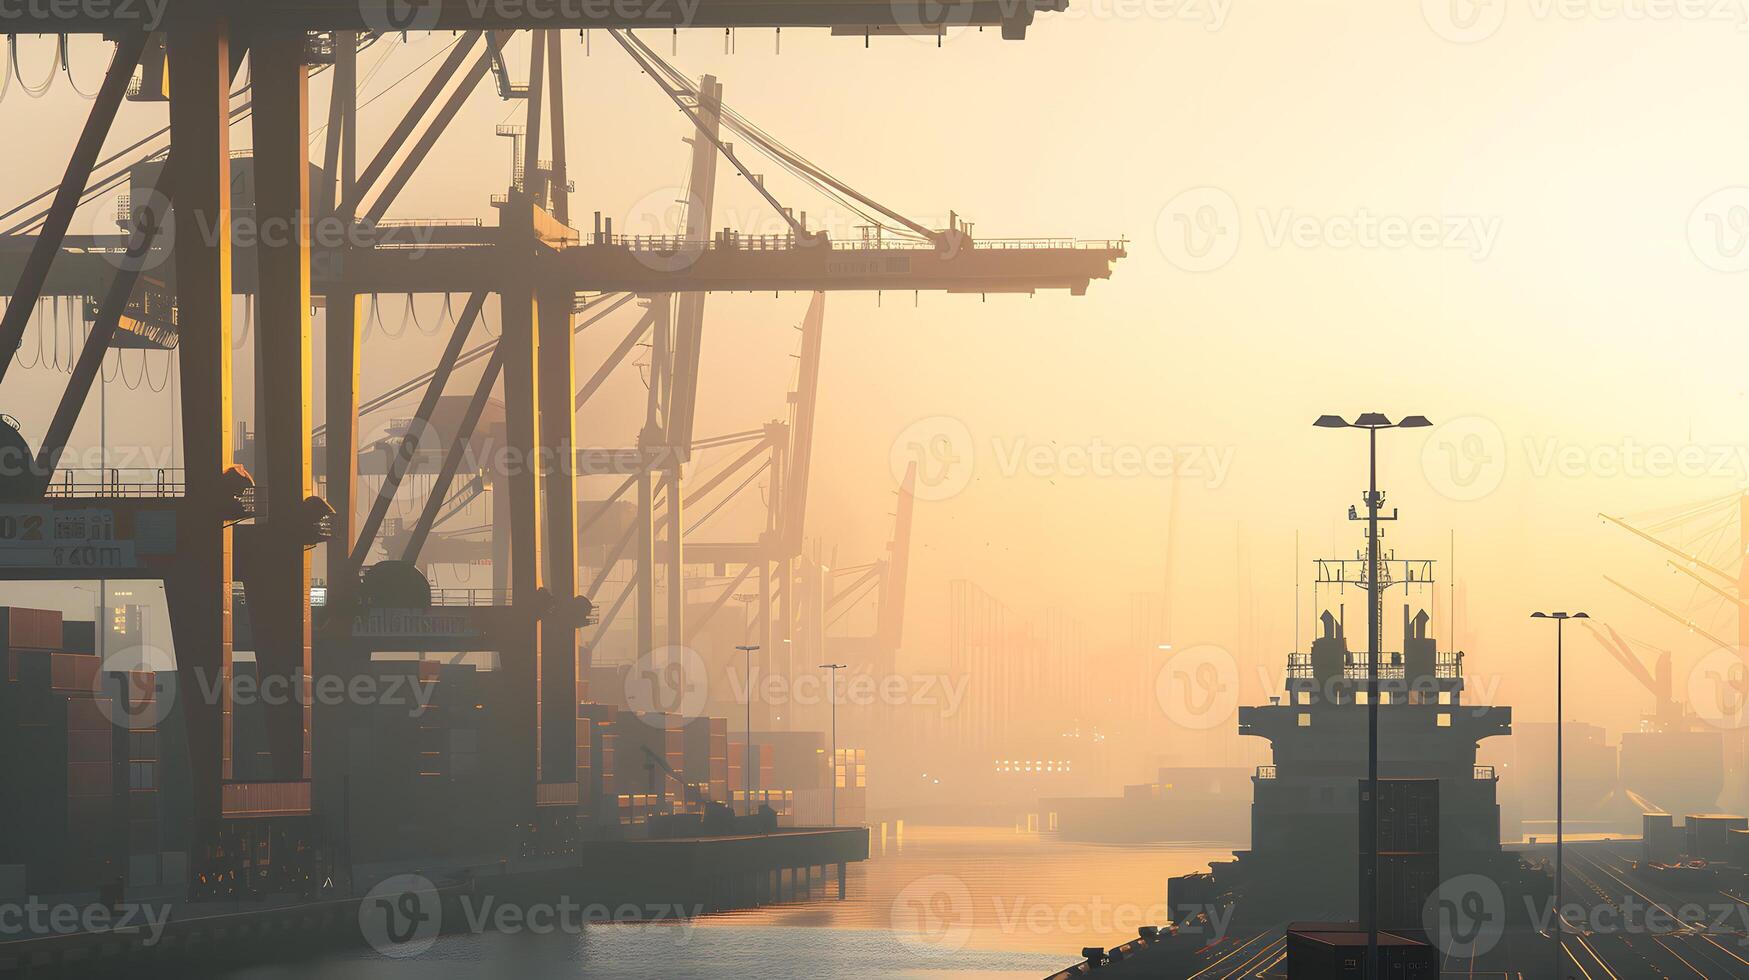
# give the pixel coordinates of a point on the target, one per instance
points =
(1305, 859)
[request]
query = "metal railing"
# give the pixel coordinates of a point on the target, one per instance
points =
(117, 482)
(1265, 772)
(1485, 772)
(734, 241)
(470, 597)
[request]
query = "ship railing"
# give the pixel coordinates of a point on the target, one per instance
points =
(1359, 672)
(470, 597)
(1265, 772)
(1485, 772)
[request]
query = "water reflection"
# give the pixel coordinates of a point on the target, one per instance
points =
(947, 902)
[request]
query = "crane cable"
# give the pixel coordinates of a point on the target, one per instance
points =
(41, 88)
(673, 79)
(237, 114)
(67, 66)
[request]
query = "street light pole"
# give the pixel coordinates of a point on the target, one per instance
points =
(1558, 923)
(747, 769)
(832, 696)
(1372, 422)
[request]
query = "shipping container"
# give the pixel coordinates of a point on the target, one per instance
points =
(1407, 816)
(30, 629)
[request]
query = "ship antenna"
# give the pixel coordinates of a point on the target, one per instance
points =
(1296, 591)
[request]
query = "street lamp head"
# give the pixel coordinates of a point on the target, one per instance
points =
(1372, 420)
(834, 666)
(1414, 422)
(1331, 422)
(1558, 615)
(748, 649)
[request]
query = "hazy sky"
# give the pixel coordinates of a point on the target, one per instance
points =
(1533, 235)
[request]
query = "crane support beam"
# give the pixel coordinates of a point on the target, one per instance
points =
(198, 589)
(802, 412)
(858, 17)
(279, 586)
(558, 422)
(399, 463)
(519, 343)
(452, 460)
(410, 121)
(420, 262)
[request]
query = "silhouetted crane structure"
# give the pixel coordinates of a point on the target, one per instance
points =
(169, 283)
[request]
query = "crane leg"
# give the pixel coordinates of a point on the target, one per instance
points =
(198, 588)
(281, 604)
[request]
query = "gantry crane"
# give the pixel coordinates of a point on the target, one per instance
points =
(222, 522)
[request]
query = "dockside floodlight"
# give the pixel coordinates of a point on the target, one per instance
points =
(1557, 923)
(1372, 422)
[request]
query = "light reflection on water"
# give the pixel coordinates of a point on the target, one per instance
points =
(982, 902)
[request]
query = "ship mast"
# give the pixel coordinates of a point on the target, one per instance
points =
(1372, 422)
